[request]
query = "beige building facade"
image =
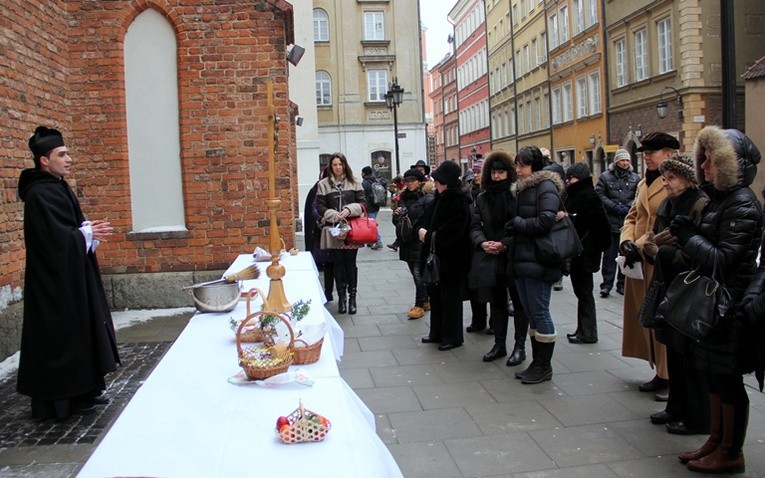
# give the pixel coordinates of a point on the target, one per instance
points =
(361, 47)
(501, 76)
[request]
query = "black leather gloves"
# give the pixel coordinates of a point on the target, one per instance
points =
(631, 252)
(682, 228)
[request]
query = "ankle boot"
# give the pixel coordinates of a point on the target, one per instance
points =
(728, 457)
(518, 355)
(496, 352)
(342, 299)
(329, 281)
(543, 370)
(352, 301)
(534, 356)
(715, 432)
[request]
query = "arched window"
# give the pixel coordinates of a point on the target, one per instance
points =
(154, 145)
(320, 25)
(323, 89)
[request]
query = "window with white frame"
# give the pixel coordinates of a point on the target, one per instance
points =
(377, 84)
(537, 113)
(521, 119)
(664, 32)
(553, 24)
(534, 53)
(568, 102)
(518, 64)
(641, 55)
(556, 105)
(320, 25)
(563, 24)
(323, 89)
(577, 12)
(543, 49)
(620, 55)
(529, 114)
(546, 106)
(516, 18)
(581, 97)
(593, 86)
(526, 60)
(374, 28)
(510, 72)
(590, 13)
(511, 121)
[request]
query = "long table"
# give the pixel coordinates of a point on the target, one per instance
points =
(187, 420)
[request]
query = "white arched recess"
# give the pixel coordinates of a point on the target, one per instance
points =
(151, 98)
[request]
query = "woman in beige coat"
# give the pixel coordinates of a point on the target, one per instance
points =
(637, 341)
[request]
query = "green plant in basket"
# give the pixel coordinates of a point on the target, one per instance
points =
(269, 322)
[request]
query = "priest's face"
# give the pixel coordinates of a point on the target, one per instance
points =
(57, 162)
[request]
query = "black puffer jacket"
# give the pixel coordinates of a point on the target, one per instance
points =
(414, 204)
(592, 224)
(617, 187)
(728, 234)
(538, 202)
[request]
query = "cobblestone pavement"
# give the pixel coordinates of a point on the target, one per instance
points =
(19, 429)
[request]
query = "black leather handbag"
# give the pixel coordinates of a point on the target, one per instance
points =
(431, 274)
(694, 304)
(561, 243)
(647, 315)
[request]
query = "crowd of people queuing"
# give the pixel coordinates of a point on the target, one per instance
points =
(688, 212)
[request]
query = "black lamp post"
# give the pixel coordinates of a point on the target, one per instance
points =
(393, 98)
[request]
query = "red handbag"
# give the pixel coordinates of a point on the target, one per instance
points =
(363, 229)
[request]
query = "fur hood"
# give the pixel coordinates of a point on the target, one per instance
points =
(536, 179)
(734, 157)
(496, 157)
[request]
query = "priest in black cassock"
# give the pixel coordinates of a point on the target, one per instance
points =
(67, 340)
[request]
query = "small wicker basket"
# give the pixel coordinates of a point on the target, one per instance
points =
(259, 361)
(305, 425)
(252, 333)
(305, 354)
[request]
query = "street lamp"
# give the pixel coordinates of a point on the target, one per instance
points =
(661, 107)
(393, 98)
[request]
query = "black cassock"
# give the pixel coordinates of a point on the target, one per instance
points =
(67, 339)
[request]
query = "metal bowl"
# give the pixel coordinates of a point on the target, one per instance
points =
(216, 297)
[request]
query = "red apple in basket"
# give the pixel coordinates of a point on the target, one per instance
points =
(281, 421)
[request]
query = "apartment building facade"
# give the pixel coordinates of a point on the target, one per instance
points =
(468, 18)
(499, 40)
(577, 91)
(361, 47)
(670, 52)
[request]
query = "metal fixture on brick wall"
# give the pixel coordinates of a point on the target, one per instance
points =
(661, 107)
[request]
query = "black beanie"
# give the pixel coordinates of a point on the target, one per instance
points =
(448, 173)
(579, 171)
(414, 173)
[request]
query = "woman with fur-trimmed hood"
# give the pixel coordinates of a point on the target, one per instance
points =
(538, 203)
(493, 207)
(727, 237)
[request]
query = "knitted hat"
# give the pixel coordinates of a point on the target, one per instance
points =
(680, 164)
(367, 171)
(658, 141)
(477, 165)
(579, 171)
(448, 173)
(414, 173)
(622, 154)
(45, 139)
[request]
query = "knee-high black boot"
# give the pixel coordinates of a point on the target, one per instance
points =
(329, 280)
(352, 285)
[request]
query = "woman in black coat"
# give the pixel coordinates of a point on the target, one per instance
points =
(728, 236)
(411, 206)
(594, 230)
(538, 203)
(446, 227)
(493, 208)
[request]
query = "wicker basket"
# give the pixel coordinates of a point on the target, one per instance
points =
(252, 333)
(258, 360)
(305, 354)
(305, 425)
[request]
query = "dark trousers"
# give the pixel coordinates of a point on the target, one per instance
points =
(345, 268)
(586, 320)
(420, 294)
(688, 391)
(609, 268)
(446, 311)
(500, 317)
(520, 319)
(478, 312)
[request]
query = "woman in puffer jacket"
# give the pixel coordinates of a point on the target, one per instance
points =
(728, 235)
(538, 203)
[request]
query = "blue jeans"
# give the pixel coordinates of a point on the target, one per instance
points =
(373, 215)
(535, 297)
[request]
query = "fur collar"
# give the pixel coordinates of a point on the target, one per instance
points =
(725, 164)
(536, 179)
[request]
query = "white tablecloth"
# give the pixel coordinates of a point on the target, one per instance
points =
(186, 420)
